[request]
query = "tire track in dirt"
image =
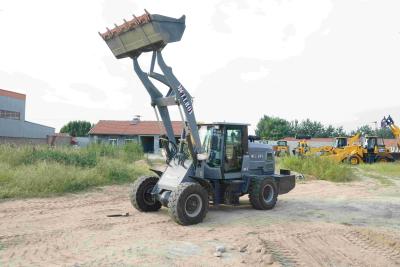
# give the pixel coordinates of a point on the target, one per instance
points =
(335, 247)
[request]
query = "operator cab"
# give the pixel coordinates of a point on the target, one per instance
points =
(374, 144)
(281, 143)
(340, 142)
(225, 144)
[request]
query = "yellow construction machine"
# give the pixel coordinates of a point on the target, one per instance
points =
(388, 122)
(281, 148)
(372, 150)
(340, 143)
(302, 148)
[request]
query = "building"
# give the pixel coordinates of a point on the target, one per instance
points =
(146, 133)
(13, 126)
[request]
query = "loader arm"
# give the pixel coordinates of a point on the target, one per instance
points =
(389, 122)
(151, 33)
(396, 132)
(354, 139)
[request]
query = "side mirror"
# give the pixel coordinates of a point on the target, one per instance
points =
(202, 156)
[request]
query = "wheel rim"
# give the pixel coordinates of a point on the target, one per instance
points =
(354, 161)
(268, 193)
(193, 205)
(147, 197)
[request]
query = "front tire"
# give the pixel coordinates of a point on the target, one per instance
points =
(188, 203)
(140, 195)
(263, 194)
(354, 160)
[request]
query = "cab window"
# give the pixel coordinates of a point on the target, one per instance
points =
(233, 150)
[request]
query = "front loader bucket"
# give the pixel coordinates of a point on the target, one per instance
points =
(149, 32)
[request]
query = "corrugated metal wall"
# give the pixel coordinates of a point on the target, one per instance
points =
(20, 128)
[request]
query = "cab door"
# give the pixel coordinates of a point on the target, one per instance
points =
(235, 147)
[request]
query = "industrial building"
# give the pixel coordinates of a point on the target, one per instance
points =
(13, 126)
(147, 133)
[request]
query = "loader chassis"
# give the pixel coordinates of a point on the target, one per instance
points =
(213, 162)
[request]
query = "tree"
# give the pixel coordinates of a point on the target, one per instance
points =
(77, 128)
(310, 128)
(273, 128)
(364, 130)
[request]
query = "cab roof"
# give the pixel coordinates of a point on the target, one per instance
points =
(225, 123)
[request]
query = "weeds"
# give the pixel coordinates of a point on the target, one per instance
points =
(319, 167)
(42, 171)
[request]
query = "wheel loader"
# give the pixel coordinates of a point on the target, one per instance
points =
(341, 142)
(212, 163)
(281, 148)
(371, 150)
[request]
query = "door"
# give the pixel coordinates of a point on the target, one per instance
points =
(234, 150)
(147, 144)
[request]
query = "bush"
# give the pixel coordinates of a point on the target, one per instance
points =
(319, 167)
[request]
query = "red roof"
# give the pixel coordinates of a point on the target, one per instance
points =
(105, 127)
(12, 94)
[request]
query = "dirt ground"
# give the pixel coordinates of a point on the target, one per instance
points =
(318, 224)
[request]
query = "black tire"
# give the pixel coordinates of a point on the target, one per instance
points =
(188, 203)
(263, 194)
(383, 160)
(140, 196)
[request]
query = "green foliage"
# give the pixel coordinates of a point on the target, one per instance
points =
(42, 171)
(318, 167)
(77, 128)
(273, 128)
(364, 130)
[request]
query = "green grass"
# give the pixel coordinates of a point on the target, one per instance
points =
(391, 169)
(318, 167)
(385, 173)
(41, 171)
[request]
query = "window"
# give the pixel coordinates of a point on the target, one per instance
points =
(128, 141)
(211, 137)
(281, 143)
(233, 150)
(12, 115)
(113, 142)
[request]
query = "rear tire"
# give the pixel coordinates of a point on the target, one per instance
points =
(188, 203)
(263, 194)
(382, 160)
(140, 195)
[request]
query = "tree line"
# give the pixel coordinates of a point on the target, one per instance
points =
(274, 128)
(268, 127)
